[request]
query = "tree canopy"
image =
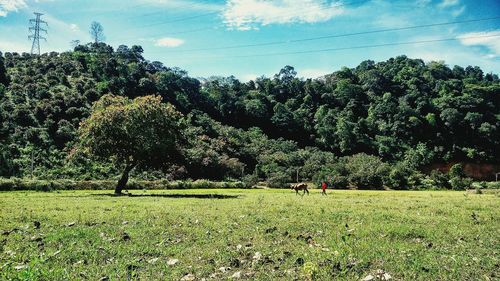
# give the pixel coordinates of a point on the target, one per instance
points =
(143, 131)
(402, 110)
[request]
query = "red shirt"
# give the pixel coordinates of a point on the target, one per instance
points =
(323, 186)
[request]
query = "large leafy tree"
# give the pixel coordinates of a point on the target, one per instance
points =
(143, 131)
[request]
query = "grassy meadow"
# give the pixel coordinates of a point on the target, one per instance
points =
(249, 234)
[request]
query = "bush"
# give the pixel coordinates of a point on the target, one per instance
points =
(398, 177)
(367, 171)
(250, 180)
(15, 184)
(339, 182)
(458, 179)
(417, 180)
(278, 180)
(440, 180)
(458, 183)
(493, 185)
(457, 171)
(335, 175)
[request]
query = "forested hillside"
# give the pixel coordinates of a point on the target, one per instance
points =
(401, 111)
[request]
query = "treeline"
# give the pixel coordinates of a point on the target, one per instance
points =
(396, 116)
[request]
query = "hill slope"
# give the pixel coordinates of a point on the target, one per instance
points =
(400, 109)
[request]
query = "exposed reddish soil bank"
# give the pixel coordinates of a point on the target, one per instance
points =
(473, 170)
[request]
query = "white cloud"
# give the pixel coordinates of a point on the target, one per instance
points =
(484, 39)
(74, 27)
(250, 14)
(7, 6)
(458, 12)
(169, 42)
(449, 3)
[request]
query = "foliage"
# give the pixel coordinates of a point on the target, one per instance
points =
(140, 132)
(15, 184)
(334, 174)
(458, 179)
(278, 180)
(143, 131)
(440, 180)
(401, 110)
(367, 171)
(399, 176)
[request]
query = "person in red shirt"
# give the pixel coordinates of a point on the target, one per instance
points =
(323, 188)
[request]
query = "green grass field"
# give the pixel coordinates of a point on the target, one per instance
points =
(250, 234)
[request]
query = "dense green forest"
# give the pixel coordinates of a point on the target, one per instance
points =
(391, 118)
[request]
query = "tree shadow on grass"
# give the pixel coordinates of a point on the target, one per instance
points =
(196, 196)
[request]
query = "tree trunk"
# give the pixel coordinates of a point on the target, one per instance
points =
(124, 179)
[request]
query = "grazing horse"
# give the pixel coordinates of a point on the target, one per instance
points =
(299, 186)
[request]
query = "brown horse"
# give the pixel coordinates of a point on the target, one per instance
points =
(299, 186)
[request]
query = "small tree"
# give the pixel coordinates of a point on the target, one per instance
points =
(97, 32)
(458, 178)
(143, 131)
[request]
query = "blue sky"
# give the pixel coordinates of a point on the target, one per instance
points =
(195, 35)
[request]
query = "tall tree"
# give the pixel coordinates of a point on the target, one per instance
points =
(141, 132)
(97, 32)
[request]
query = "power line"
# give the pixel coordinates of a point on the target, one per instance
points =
(35, 32)
(298, 11)
(352, 47)
(251, 45)
(121, 9)
(178, 20)
(181, 7)
(100, 12)
(173, 33)
(334, 36)
(214, 28)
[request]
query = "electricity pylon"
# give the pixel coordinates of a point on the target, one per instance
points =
(35, 33)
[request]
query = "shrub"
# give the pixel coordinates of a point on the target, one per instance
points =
(335, 175)
(16, 184)
(440, 180)
(367, 171)
(250, 180)
(458, 183)
(457, 171)
(278, 180)
(339, 182)
(202, 184)
(417, 180)
(458, 179)
(493, 185)
(398, 177)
